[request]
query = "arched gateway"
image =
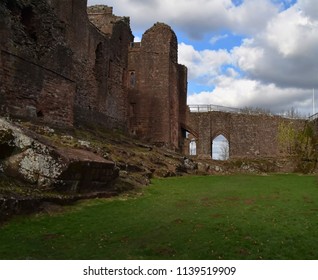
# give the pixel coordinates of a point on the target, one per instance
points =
(243, 135)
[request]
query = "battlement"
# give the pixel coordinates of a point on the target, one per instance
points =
(100, 10)
(135, 45)
(103, 18)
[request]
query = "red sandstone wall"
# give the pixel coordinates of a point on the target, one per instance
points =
(183, 90)
(101, 63)
(248, 135)
(157, 87)
(35, 73)
(59, 66)
(174, 105)
(29, 90)
(57, 37)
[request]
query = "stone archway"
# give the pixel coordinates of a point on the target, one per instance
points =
(193, 147)
(220, 147)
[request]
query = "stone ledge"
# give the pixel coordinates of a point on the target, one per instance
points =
(54, 168)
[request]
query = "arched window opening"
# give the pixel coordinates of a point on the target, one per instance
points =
(132, 80)
(220, 148)
(184, 133)
(193, 148)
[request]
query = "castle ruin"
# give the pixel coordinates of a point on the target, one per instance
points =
(66, 64)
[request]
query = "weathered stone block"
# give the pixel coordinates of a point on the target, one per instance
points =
(49, 167)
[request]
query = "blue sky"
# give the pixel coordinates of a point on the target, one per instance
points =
(239, 53)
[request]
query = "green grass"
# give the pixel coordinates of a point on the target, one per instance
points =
(217, 217)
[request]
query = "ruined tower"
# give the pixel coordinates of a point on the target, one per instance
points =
(157, 87)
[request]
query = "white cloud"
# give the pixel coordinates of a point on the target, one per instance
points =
(230, 72)
(309, 7)
(242, 93)
(276, 67)
(195, 17)
(252, 16)
(284, 53)
(247, 54)
(291, 33)
(205, 63)
(280, 66)
(137, 39)
(215, 39)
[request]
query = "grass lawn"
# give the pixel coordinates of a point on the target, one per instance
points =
(215, 217)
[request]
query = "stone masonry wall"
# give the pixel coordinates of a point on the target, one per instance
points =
(64, 63)
(101, 51)
(35, 63)
(53, 55)
(156, 84)
(46, 94)
(248, 135)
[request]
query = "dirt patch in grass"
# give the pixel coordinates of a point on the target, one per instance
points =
(233, 198)
(184, 203)
(249, 201)
(49, 236)
(178, 221)
(216, 216)
(207, 201)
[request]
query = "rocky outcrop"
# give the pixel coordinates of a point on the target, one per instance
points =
(248, 166)
(49, 167)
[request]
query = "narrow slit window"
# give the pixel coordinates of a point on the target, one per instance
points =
(132, 79)
(193, 148)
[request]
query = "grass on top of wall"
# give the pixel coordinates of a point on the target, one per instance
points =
(212, 217)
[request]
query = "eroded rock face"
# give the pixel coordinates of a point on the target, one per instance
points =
(85, 171)
(35, 166)
(49, 167)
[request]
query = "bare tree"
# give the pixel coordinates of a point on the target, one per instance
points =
(224, 150)
(255, 110)
(292, 113)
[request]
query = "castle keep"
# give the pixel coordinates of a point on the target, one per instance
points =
(65, 64)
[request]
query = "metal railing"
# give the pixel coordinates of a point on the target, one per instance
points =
(204, 108)
(218, 108)
(211, 107)
(313, 117)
